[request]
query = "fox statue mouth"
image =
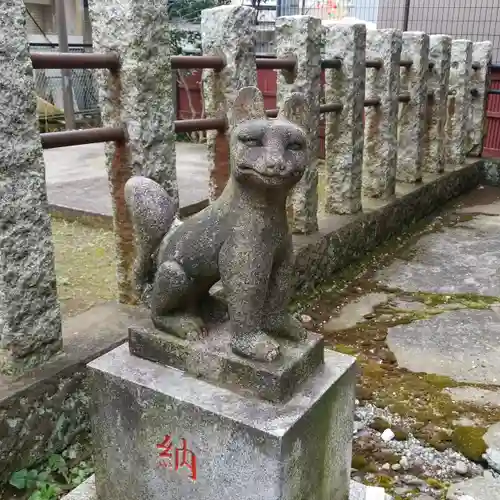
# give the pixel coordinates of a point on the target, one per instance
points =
(245, 169)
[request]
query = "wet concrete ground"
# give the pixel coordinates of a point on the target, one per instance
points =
(76, 176)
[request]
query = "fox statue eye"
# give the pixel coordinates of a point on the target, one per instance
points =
(251, 142)
(295, 146)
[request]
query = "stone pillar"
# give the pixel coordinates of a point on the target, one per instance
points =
(227, 31)
(439, 75)
(139, 98)
(30, 321)
(481, 55)
(412, 115)
(300, 37)
(381, 122)
(459, 99)
(344, 134)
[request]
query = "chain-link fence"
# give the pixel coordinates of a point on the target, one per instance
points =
(476, 21)
(48, 85)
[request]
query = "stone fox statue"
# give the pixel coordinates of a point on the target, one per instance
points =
(241, 239)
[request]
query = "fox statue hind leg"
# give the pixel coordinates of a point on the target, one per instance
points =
(153, 212)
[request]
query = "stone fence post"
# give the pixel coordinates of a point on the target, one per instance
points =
(381, 122)
(139, 98)
(412, 115)
(227, 31)
(459, 99)
(344, 134)
(300, 37)
(439, 76)
(30, 321)
(481, 55)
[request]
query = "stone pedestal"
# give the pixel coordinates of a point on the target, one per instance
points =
(160, 433)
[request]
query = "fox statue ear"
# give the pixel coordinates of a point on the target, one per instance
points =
(294, 109)
(248, 105)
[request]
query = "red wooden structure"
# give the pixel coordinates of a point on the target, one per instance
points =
(266, 79)
(492, 143)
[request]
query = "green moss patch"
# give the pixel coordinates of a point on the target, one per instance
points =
(469, 441)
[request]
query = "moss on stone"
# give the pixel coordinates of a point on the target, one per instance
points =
(385, 481)
(469, 441)
(380, 425)
(359, 462)
(363, 393)
(386, 457)
(467, 300)
(418, 397)
(400, 434)
(346, 349)
(436, 484)
(440, 440)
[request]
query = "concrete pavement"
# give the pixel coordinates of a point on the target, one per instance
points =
(76, 177)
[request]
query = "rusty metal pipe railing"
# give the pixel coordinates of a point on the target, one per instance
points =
(331, 63)
(197, 62)
(199, 124)
(335, 107)
(406, 63)
(63, 60)
(52, 140)
(375, 101)
(373, 63)
(276, 63)
(404, 97)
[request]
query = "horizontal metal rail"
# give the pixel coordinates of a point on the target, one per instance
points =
(276, 63)
(52, 140)
(199, 124)
(68, 60)
(404, 97)
(335, 107)
(331, 63)
(197, 62)
(374, 63)
(375, 101)
(494, 91)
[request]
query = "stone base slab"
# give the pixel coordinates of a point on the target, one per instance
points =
(211, 358)
(357, 491)
(161, 434)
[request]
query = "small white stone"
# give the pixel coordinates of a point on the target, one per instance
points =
(375, 493)
(386, 466)
(396, 466)
(305, 318)
(461, 468)
(387, 435)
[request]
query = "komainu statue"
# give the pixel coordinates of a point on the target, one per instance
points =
(241, 239)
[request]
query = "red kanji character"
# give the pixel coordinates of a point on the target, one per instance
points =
(183, 461)
(166, 445)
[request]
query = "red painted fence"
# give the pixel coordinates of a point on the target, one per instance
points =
(266, 80)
